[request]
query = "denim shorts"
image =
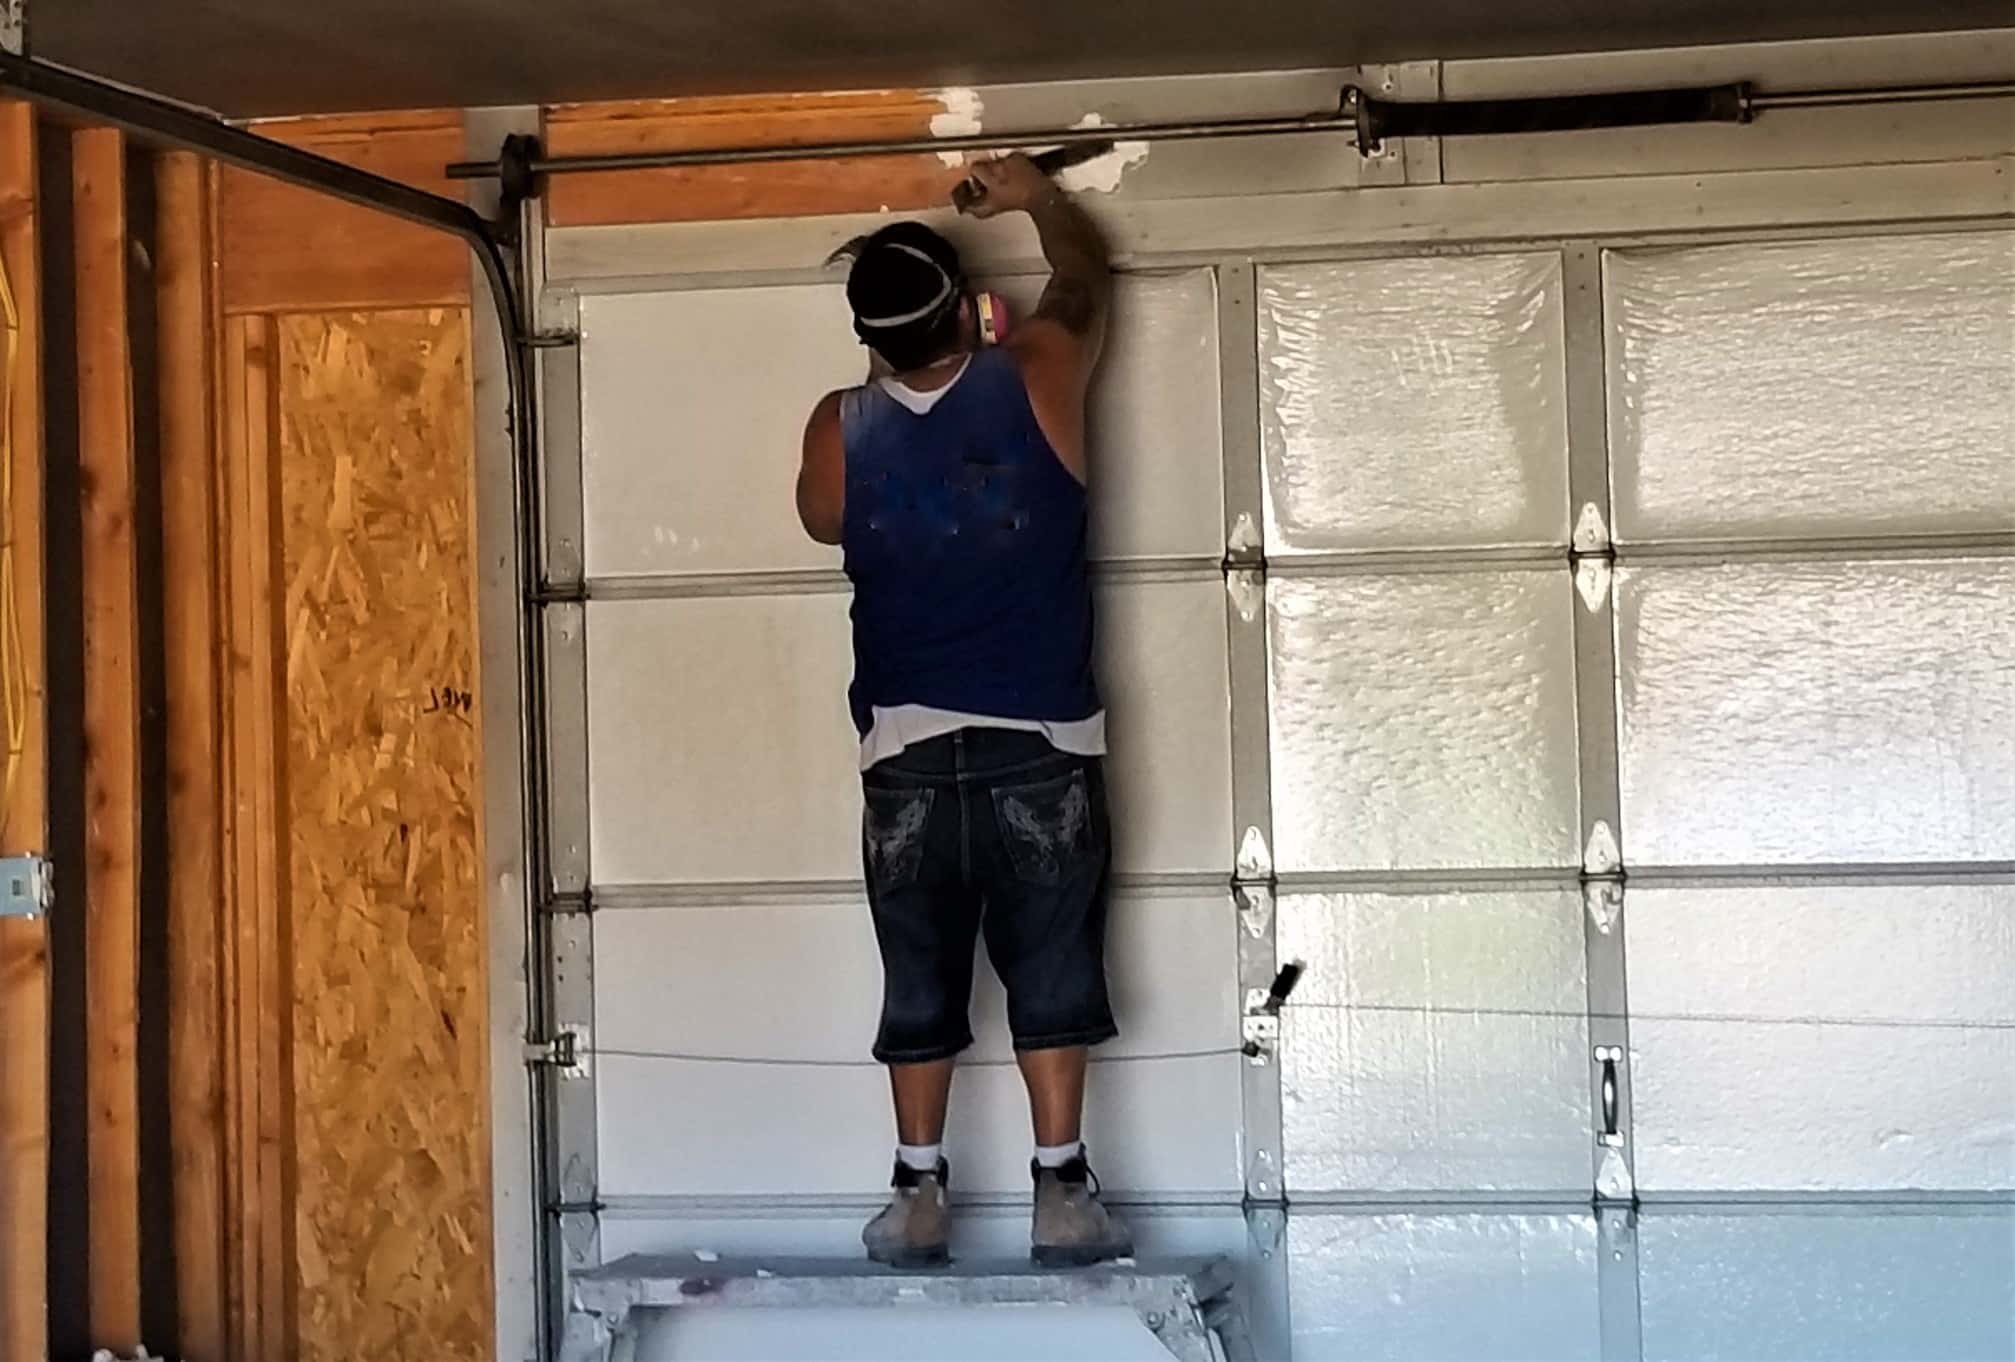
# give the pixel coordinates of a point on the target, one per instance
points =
(988, 833)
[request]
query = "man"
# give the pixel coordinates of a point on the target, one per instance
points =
(955, 482)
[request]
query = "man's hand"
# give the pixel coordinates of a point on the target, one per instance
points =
(1011, 184)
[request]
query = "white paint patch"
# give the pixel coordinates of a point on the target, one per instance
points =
(1102, 174)
(961, 118)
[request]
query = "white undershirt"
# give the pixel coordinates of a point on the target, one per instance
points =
(919, 401)
(895, 727)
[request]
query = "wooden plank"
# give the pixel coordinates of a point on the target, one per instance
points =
(111, 733)
(195, 930)
(240, 1068)
(24, 985)
(391, 1059)
(289, 249)
(764, 190)
(259, 966)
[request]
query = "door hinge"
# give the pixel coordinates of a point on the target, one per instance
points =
(14, 27)
(568, 1051)
(27, 886)
(555, 339)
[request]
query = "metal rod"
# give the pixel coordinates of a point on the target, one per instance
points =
(1919, 94)
(987, 141)
(1330, 122)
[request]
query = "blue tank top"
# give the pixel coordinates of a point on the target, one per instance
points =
(964, 537)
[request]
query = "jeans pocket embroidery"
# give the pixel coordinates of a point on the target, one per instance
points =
(1045, 825)
(892, 834)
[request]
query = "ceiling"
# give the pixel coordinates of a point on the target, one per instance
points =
(247, 58)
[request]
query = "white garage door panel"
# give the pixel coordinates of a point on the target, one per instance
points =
(693, 408)
(1164, 676)
(1452, 1287)
(670, 1128)
(694, 403)
(1824, 1038)
(1408, 403)
(680, 980)
(1863, 1284)
(1818, 712)
(1872, 953)
(1423, 721)
(1776, 1105)
(720, 747)
(1157, 470)
(1813, 388)
(1437, 1042)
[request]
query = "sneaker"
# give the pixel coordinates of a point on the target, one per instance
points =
(911, 1231)
(1072, 1229)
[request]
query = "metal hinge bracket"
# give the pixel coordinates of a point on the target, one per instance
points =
(549, 340)
(568, 1051)
(27, 886)
(1261, 1026)
(14, 27)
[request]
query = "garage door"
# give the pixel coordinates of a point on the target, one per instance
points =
(1463, 616)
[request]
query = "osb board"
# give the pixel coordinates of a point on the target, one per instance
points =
(24, 991)
(753, 190)
(286, 249)
(390, 1054)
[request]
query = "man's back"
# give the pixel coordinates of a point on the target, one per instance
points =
(964, 537)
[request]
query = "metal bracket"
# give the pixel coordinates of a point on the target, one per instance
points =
(549, 340)
(1591, 534)
(1591, 579)
(27, 886)
(1397, 160)
(1601, 857)
(1247, 589)
(1255, 858)
(1604, 901)
(1261, 1028)
(1243, 547)
(571, 901)
(14, 27)
(569, 1051)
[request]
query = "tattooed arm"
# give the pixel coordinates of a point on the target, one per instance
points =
(1058, 346)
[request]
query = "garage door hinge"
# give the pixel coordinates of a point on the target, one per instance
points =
(560, 593)
(555, 339)
(27, 886)
(14, 27)
(567, 901)
(568, 1051)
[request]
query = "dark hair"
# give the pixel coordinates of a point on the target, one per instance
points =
(905, 288)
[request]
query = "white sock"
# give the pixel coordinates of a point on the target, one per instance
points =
(1057, 1155)
(922, 1157)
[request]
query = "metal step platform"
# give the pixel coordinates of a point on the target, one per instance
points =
(1188, 1304)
